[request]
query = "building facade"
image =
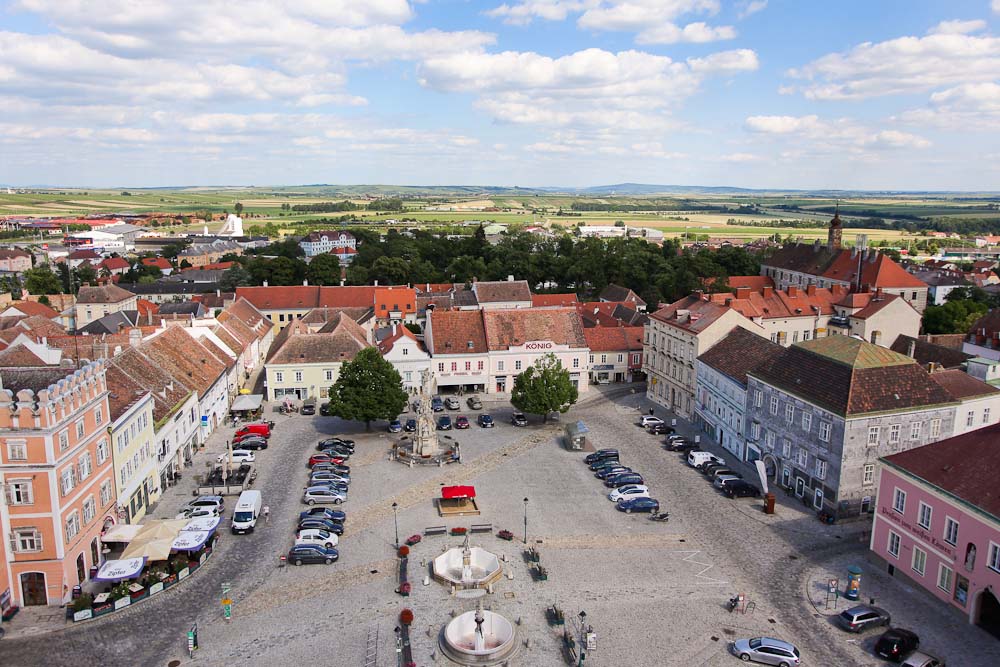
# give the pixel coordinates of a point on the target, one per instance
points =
(615, 354)
(305, 365)
(407, 354)
(134, 453)
(57, 474)
(320, 243)
(93, 303)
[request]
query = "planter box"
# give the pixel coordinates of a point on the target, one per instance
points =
(156, 588)
(100, 610)
(83, 615)
(121, 603)
(183, 574)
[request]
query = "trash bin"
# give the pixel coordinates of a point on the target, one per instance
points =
(93, 572)
(77, 592)
(768, 503)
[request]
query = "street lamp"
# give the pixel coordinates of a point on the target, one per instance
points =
(399, 645)
(525, 520)
(583, 638)
(395, 522)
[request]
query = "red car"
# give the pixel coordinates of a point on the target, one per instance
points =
(259, 429)
(325, 458)
(462, 422)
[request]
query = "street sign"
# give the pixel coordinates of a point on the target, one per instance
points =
(192, 637)
(226, 587)
(227, 608)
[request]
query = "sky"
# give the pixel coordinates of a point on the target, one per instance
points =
(873, 95)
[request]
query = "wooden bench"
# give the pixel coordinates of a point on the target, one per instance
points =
(481, 528)
(435, 530)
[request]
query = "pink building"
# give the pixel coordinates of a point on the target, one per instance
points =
(938, 521)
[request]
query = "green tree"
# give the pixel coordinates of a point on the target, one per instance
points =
(86, 275)
(239, 208)
(235, 276)
(323, 270)
(368, 388)
(171, 250)
(41, 280)
(544, 388)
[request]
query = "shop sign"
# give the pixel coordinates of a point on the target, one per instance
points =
(894, 516)
(538, 345)
(5, 601)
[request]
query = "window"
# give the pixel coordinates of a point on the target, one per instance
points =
(993, 562)
(81, 428)
(19, 492)
(919, 561)
(441, 367)
(279, 376)
(774, 405)
(899, 500)
(758, 398)
(802, 457)
(102, 451)
(795, 336)
(950, 531)
(789, 414)
(621, 358)
(869, 474)
(27, 539)
(820, 469)
(807, 334)
(468, 365)
(893, 547)
(807, 421)
(604, 358)
(63, 440)
(406, 352)
(786, 447)
(915, 430)
(769, 439)
(824, 431)
(86, 466)
(754, 431)
(970, 418)
(17, 451)
(894, 433)
(944, 578)
(576, 362)
(89, 510)
(98, 416)
(298, 376)
(935, 428)
(328, 374)
(924, 516)
(499, 365)
(72, 525)
(67, 480)
(408, 375)
(591, 358)
(479, 365)
(454, 366)
(873, 433)
(105, 493)
(517, 364)
(986, 415)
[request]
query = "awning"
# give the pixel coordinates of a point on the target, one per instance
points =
(189, 540)
(116, 570)
(208, 523)
(246, 402)
(122, 532)
(155, 540)
(449, 492)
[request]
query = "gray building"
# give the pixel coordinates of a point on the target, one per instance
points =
(824, 411)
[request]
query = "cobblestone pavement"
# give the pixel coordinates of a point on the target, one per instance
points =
(655, 593)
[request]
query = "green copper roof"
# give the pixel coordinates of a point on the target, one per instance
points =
(854, 352)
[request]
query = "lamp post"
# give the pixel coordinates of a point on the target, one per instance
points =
(395, 522)
(399, 647)
(525, 520)
(583, 638)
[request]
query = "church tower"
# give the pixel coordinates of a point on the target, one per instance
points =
(833, 237)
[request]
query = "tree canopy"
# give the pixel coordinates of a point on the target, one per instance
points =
(369, 388)
(41, 280)
(543, 387)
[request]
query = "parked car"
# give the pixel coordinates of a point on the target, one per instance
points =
(324, 513)
(331, 467)
(410, 426)
(896, 644)
(605, 463)
(333, 484)
(437, 405)
(324, 409)
(697, 457)
(452, 403)
(301, 554)
(623, 478)
(600, 454)
(920, 659)
(217, 502)
(660, 429)
(682, 446)
(722, 481)
(518, 419)
(741, 489)
(444, 423)
(315, 536)
(340, 442)
(649, 420)
(247, 436)
(638, 505)
(328, 476)
(474, 403)
(197, 512)
(723, 472)
(608, 471)
(628, 492)
(251, 443)
(239, 456)
(263, 428)
(462, 422)
(766, 650)
(337, 451)
(324, 457)
(863, 616)
(395, 426)
(321, 524)
(704, 466)
(309, 407)
(323, 494)
(710, 468)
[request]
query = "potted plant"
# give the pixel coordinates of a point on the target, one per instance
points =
(405, 588)
(404, 551)
(83, 602)
(120, 590)
(460, 530)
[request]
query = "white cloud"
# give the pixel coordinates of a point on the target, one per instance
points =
(996, 6)
(969, 107)
(669, 33)
(896, 139)
(781, 124)
(902, 65)
(747, 8)
(740, 157)
(522, 13)
(958, 27)
(814, 134)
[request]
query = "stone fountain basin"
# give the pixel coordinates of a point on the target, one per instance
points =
(460, 635)
(485, 567)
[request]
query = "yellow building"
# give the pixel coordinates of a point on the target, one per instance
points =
(305, 365)
(131, 429)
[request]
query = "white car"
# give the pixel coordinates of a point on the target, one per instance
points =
(628, 492)
(239, 456)
(649, 420)
(316, 536)
(198, 512)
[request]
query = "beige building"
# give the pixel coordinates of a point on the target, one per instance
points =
(93, 303)
(305, 365)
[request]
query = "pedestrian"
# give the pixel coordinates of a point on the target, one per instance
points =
(267, 514)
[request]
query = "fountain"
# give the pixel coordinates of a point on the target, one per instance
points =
(467, 567)
(424, 446)
(479, 638)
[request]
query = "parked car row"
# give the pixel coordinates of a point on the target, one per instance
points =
(628, 489)
(725, 478)
(895, 644)
(445, 423)
(317, 534)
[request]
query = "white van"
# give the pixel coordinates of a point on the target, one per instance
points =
(246, 512)
(697, 457)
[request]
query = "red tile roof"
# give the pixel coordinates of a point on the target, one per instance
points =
(877, 270)
(159, 262)
(115, 264)
(500, 291)
(217, 266)
(83, 254)
(755, 283)
(146, 307)
(701, 314)
(960, 385)
(549, 300)
(388, 299)
(614, 339)
(456, 332)
(770, 303)
(963, 467)
(339, 346)
(30, 308)
(103, 294)
(184, 358)
(738, 352)
(19, 356)
(513, 328)
(303, 297)
(385, 345)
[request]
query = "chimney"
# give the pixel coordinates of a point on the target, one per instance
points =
(134, 337)
(510, 278)
(767, 292)
(265, 283)
(305, 283)
(218, 293)
(742, 292)
(394, 329)
(376, 283)
(341, 282)
(811, 290)
(912, 350)
(793, 291)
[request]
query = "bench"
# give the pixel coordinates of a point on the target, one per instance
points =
(435, 530)
(481, 528)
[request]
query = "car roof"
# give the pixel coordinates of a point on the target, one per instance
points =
(776, 643)
(317, 489)
(893, 633)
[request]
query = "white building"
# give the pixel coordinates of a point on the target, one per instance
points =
(407, 354)
(978, 402)
(321, 243)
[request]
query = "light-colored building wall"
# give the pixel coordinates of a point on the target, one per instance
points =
(88, 312)
(409, 360)
(975, 413)
(505, 365)
(175, 439)
(301, 380)
(133, 450)
(720, 406)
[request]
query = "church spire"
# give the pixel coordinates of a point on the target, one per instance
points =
(834, 235)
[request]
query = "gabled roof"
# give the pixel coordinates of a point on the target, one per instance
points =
(701, 314)
(184, 357)
(29, 308)
(245, 312)
(103, 294)
(513, 328)
(964, 467)
(182, 308)
(500, 291)
(19, 355)
(456, 332)
(141, 372)
(877, 270)
(738, 352)
(304, 297)
(619, 293)
(755, 283)
(553, 300)
(341, 345)
(112, 322)
(40, 326)
(403, 297)
(114, 264)
(343, 323)
(926, 353)
(145, 307)
(399, 332)
(321, 316)
(13, 253)
(83, 254)
(614, 339)
(960, 385)
(879, 301)
(159, 262)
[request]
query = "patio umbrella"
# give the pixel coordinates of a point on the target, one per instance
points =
(116, 570)
(155, 540)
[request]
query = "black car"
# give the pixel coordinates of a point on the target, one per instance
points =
(324, 513)
(251, 443)
(680, 445)
(437, 405)
(623, 478)
(308, 409)
(661, 429)
(485, 421)
(896, 644)
(324, 409)
(335, 450)
(600, 454)
(518, 419)
(322, 524)
(347, 444)
(604, 473)
(741, 489)
(604, 463)
(311, 553)
(410, 426)
(444, 423)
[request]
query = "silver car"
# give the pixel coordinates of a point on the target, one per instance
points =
(452, 403)
(323, 494)
(766, 650)
(919, 659)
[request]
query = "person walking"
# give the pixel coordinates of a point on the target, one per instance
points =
(267, 514)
